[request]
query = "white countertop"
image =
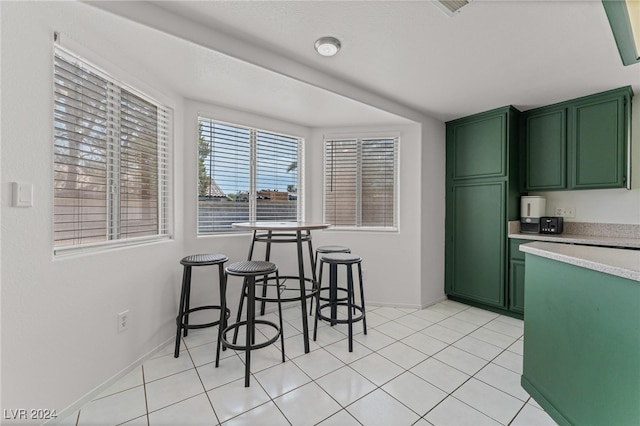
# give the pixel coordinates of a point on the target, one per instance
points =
(580, 239)
(614, 261)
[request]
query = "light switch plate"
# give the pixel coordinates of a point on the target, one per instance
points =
(22, 194)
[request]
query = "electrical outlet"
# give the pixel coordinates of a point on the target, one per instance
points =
(566, 211)
(123, 321)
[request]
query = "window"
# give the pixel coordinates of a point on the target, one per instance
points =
(245, 174)
(111, 160)
(360, 183)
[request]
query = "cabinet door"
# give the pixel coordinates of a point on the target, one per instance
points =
(516, 286)
(476, 146)
(476, 242)
(545, 150)
(597, 143)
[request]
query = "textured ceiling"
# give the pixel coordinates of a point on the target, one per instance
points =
(405, 54)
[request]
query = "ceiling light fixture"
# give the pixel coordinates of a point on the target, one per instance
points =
(327, 46)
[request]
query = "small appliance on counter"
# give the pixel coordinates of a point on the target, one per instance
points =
(551, 225)
(532, 208)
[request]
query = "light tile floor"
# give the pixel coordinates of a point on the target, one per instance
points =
(449, 364)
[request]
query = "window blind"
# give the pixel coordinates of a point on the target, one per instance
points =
(360, 187)
(276, 177)
(246, 174)
(227, 159)
(111, 161)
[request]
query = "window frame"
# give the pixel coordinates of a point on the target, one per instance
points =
(163, 145)
(359, 137)
(253, 187)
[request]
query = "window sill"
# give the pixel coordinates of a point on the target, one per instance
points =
(76, 251)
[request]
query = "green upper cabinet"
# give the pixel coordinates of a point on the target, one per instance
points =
(597, 141)
(477, 146)
(578, 144)
(546, 149)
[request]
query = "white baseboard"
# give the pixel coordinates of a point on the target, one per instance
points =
(392, 305)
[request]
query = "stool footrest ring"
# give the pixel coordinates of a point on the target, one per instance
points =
(180, 321)
(340, 299)
(310, 291)
(340, 320)
(226, 343)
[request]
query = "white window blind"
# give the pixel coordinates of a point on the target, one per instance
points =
(246, 174)
(111, 161)
(360, 187)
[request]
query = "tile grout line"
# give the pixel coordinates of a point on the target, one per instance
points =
(395, 340)
(473, 375)
(429, 356)
(202, 383)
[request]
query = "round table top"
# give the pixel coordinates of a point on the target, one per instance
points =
(280, 226)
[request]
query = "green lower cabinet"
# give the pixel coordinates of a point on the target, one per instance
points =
(476, 246)
(581, 358)
(516, 275)
(516, 286)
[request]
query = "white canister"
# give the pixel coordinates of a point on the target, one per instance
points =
(532, 206)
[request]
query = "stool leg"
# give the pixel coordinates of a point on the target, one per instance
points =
(187, 300)
(280, 315)
(316, 283)
(350, 306)
(315, 323)
(364, 315)
(315, 286)
(303, 292)
(333, 291)
(239, 314)
(267, 257)
(223, 314)
(186, 276)
(251, 305)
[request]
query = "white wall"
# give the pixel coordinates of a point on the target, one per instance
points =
(605, 205)
(59, 337)
(432, 211)
(392, 262)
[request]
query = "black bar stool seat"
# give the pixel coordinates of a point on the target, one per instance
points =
(333, 249)
(333, 260)
(182, 320)
(249, 270)
(324, 250)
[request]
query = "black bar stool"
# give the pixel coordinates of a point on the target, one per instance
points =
(325, 250)
(250, 269)
(335, 259)
(182, 320)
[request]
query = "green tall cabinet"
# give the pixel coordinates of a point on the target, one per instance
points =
(578, 144)
(482, 196)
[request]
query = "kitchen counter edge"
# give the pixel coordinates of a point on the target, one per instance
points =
(581, 239)
(613, 261)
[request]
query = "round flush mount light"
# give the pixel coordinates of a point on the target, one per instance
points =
(327, 46)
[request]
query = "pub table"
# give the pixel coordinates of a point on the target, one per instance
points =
(276, 232)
